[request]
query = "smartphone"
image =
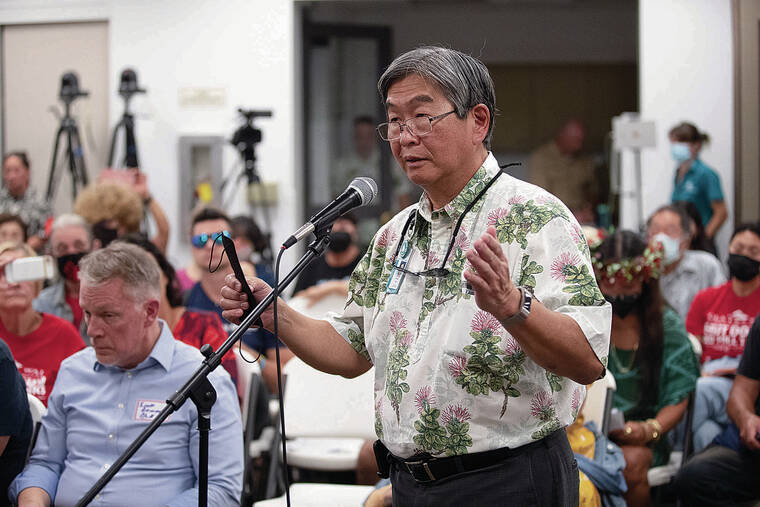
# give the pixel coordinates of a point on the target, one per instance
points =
(30, 268)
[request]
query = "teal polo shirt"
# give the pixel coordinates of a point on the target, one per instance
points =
(700, 185)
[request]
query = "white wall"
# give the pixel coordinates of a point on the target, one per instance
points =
(686, 73)
(246, 47)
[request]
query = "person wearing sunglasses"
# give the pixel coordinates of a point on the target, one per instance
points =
(477, 307)
(211, 267)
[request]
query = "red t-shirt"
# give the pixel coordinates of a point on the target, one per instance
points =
(198, 328)
(722, 319)
(39, 353)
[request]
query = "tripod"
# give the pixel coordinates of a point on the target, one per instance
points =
(127, 88)
(74, 156)
(245, 140)
(127, 123)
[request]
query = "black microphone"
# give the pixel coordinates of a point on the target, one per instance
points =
(360, 192)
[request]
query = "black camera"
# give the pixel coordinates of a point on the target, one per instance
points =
(128, 84)
(70, 88)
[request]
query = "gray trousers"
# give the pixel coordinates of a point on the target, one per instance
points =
(543, 475)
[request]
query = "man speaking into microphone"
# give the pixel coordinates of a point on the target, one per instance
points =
(477, 306)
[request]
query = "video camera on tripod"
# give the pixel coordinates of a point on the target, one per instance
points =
(69, 93)
(127, 89)
(245, 140)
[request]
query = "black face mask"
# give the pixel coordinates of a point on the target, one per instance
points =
(624, 304)
(742, 267)
(339, 241)
(68, 266)
(103, 233)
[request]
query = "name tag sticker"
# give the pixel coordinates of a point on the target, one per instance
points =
(397, 278)
(146, 410)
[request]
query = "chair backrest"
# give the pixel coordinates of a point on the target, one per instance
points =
(330, 303)
(37, 409)
(318, 404)
(599, 401)
(245, 370)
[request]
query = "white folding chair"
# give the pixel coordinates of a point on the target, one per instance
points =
(305, 494)
(37, 409)
(245, 370)
(598, 403)
(327, 417)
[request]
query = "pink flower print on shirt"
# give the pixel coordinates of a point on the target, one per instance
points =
(497, 214)
(560, 265)
(457, 366)
(455, 412)
(541, 406)
(484, 320)
(424, 398)
(387, 237)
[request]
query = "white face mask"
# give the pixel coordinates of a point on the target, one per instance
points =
(671, 247)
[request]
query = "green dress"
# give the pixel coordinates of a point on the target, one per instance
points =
(678, 377)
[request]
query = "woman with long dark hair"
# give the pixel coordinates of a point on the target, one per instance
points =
(650, 356)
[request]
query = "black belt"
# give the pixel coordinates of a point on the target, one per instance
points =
(425, 468)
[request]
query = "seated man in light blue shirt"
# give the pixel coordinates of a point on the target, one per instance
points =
(106, 395)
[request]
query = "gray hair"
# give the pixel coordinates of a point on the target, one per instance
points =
(464, 80)
(71, 220)
(134, 266)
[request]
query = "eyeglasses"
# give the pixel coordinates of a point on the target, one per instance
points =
(418, 126)
(200, 240)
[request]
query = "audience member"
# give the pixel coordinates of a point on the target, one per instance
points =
(329, 275)
(721, 318)
(363, 159)
(698, 239)
(559, 167)
(70, 240)
(115, 205)
(252, 246)
(12, 228)
(19, 198)
(726, 472)
(109, 392)
(651, 357)
(694, 180)
(207, 227)
(38, 341)
(15, 424)
(112, 209)
(685, 272)
(195, 328)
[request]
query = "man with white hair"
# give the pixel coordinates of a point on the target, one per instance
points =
(107, 394)
(70, 240)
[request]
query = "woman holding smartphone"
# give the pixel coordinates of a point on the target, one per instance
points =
(38, 341)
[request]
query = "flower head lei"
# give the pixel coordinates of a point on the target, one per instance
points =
(645, 267)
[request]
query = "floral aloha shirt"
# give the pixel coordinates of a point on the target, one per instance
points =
(449, 379)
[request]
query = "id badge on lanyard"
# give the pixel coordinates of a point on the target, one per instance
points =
(397, 275)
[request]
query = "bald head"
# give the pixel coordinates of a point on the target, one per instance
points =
(570, 137)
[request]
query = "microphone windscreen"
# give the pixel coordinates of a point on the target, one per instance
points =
(366, 187)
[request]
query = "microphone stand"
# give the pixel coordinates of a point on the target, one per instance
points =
(199, 389)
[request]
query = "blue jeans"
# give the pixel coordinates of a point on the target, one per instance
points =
(710, 400)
